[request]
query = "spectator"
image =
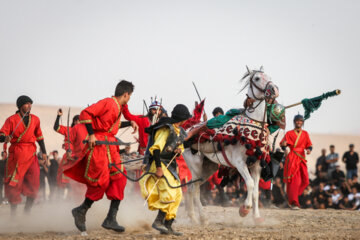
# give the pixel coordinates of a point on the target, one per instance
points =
(355, 182)
(336, 197)
(322, 160)
(331, 160)
(345, 204)
(2, 175)
(306, 199)
(43, 172)
(320, 197)
(354, 197)
(337, 176)
(52, 174)
(351, 159)
(278, 193)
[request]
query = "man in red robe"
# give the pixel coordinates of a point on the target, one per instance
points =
(102, 121)
(295, 170)
(62, 180)
(22, 175)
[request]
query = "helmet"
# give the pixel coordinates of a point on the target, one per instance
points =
(276, 112)
(155, 105)
(299, 117)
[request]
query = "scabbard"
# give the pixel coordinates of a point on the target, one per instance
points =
(107, 143)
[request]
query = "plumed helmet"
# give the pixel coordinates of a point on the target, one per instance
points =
(276, 112)
(299, 117)
(155, 105)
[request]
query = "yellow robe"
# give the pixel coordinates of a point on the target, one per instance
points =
(162, 197)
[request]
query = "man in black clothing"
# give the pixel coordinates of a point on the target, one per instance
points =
(322, 160)
(337, 176)
(2, 175)
(278, 193)
(351, 159)
(52, 174)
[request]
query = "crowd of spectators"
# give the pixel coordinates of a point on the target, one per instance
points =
(330, 188)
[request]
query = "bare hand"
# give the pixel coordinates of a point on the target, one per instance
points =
(308, 151)
(134, 126)
(159, 172)
(92, 141)
(177, 151)
(46, 160)
(8, 139)
(60, 113)
(284, 143)
(205, 117)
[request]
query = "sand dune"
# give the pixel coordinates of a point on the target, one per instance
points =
(53, 140)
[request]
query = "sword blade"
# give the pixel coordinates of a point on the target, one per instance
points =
(197, 92)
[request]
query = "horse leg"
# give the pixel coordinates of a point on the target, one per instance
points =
(194, 163)
(208, 169)
(255, 174)
(244, 172)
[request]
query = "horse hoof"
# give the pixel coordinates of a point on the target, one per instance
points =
(259, 220)
(243, 211)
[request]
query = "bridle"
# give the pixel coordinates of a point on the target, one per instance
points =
(265, 91)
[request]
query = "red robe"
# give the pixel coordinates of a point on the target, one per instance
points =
(143, 122)
(93, 167)
(22, 162)
(184, 172)
(63, 180)
(295, 168)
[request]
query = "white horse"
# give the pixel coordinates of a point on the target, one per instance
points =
(204, 163)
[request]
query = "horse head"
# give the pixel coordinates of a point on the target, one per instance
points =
(260, 86)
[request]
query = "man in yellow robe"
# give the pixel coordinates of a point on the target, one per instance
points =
(166, 142)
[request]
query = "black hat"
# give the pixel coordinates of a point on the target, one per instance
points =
(218, 110)
(23, 100)
(180, 113)
(299, 117)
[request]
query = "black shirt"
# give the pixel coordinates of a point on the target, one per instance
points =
(2, 169)
(52, 174)
(351, 160)
(322, 161)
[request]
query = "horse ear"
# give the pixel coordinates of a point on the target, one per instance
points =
(261, 69)
(247, 68)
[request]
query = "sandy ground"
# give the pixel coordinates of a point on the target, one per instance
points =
(224, 223)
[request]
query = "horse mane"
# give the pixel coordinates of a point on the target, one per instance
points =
(245, 80)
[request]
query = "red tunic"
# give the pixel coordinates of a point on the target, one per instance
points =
(23, 149)
(297, 142)
(143, 122)
(78, 134)
(62, 180)
(93, 167)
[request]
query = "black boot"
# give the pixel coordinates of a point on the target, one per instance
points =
(110, 220)
(158, 224)
(79, 214)
(28, 205)
(168, 224)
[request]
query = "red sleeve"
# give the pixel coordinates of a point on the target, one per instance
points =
(62, 130)
(38, 133)
(93, 111)
(288, 140)
(6, 128)
(130, 117)
(308, 141)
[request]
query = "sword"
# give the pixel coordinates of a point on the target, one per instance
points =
(197, 92)
(17, 125)
(117, 143)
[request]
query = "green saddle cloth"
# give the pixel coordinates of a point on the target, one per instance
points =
(219, 121)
